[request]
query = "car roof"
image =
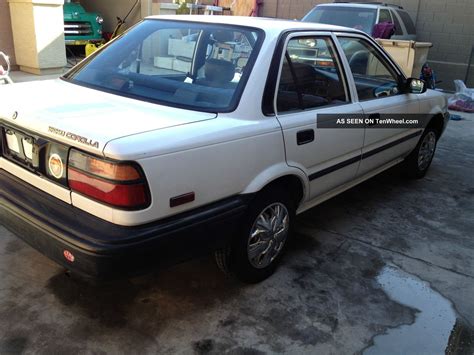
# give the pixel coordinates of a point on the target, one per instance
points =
(362, 5)
(350, 4)
(264, 23)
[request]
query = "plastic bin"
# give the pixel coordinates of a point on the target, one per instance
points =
(409, 55)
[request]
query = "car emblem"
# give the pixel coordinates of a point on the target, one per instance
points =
(15, 115)
(74, 137)
(56, 166)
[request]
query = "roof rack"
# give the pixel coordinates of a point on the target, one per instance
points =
(370, 3)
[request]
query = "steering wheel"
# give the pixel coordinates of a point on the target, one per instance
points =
(388, 89)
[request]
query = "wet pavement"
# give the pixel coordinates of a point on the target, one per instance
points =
(385, 268)
(435, 320)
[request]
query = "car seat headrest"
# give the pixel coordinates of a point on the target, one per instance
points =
(223, 36)
(218, 70)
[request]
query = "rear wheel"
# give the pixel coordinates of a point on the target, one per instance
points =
(256, 252)
(417, 163)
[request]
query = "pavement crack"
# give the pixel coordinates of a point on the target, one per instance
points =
(396, 252)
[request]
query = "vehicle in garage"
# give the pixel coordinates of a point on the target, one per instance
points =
(81, 27)
(192, 134)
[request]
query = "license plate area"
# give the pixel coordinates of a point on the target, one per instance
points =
(33, 153)
(20, 147)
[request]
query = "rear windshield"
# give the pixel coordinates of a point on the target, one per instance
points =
(354, 17)
(177, 63)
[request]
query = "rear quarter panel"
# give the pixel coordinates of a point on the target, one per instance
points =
(214, 159)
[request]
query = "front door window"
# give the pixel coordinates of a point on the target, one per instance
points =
(373, 77)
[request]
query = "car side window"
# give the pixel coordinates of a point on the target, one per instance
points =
(373, 76)
(398, 26)
(384, 16)
(310, 76)
(407, 21)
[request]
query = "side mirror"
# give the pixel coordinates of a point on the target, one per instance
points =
(416, 86)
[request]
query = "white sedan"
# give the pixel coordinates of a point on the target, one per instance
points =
(191, 134)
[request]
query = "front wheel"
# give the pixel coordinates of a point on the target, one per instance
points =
(417, 163)
(256, 252)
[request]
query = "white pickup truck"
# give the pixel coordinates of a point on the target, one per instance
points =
(192, 134)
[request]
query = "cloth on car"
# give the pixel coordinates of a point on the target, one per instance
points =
(383, 30)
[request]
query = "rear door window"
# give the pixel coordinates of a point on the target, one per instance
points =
(385, 16)
(310, 76)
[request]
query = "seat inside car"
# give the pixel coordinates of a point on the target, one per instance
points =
(218, 73)
(219, 70)
(306, 84)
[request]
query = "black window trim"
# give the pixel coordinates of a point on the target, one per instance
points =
(274, 73)
(295, 79)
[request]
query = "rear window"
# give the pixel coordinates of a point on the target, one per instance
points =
(176, 63)
(354, 17)
(408, 22)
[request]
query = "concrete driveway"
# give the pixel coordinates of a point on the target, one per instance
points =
(385, 267)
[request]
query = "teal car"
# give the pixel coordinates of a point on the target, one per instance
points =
(80, 26)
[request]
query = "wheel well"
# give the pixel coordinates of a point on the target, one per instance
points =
(437, 123)
(290, 183)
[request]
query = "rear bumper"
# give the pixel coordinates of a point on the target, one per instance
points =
(105, 250)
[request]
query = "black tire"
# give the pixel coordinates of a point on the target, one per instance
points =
(411, 166)
(222, 257)
(235, 260)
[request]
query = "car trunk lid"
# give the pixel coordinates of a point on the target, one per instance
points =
(86, 118)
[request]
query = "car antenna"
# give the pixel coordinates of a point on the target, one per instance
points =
(121, 22)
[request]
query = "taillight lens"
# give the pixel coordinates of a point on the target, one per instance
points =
(117, 184)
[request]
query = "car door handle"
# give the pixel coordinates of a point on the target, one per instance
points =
(372, 119)
(305, 137)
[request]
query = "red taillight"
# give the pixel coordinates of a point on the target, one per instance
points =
(117, 184)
